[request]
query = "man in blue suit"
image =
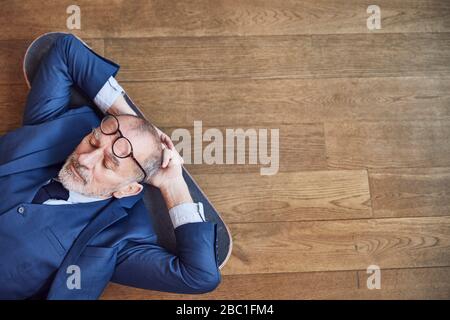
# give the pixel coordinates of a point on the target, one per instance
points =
(72, 216)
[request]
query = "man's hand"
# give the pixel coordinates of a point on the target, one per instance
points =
(169, 179)
(171, 167)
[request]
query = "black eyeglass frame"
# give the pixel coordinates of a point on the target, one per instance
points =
(121, 136)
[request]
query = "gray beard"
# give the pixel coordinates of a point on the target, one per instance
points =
(72, 182)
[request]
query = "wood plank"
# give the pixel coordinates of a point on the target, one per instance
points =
(12, 104)
(410, 192)
(12, 53)
(339, 245)
(23, 19)
(389, 144)
(301, 147)
(316, 56)
(265, 102)
(294, 196)
(414, 283)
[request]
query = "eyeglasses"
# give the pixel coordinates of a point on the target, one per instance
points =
(121, 147)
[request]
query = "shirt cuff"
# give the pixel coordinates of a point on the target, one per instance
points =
(187, 213)
(108, 94)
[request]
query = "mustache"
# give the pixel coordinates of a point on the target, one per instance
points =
(80, 169)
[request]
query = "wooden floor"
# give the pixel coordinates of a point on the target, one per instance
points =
(364, 119)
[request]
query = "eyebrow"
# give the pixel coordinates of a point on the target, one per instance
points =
(111, 155)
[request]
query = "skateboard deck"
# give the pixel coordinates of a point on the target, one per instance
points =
(152, 196)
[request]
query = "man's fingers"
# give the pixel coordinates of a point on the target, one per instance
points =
(167, 141)
(167, 155)
(165, 138)
(170, 143)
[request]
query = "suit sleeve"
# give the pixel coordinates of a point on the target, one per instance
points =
(193, 269)
(68, 63)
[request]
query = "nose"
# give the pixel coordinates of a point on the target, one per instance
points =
(90, 158)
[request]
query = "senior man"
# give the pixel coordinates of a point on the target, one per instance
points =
(72, 216)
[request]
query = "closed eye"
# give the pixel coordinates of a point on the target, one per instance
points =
(107, 165)
(93, 141)
(109, 162)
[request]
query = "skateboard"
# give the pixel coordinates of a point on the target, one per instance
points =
(152, 196)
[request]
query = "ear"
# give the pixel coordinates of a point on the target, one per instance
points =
(128, 190)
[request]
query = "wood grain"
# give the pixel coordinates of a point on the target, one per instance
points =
(12, 103)
(266, 102)
(12, 53)
(416, 283)
(275, 57)
(410, 192)
(388, 144)
(23, 19)
(339, 245)
(296, 196)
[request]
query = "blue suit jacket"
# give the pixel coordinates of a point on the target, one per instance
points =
(40, 242)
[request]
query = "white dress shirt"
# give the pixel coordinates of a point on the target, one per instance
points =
(179, 215)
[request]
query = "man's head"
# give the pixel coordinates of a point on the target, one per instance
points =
(95, 170)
